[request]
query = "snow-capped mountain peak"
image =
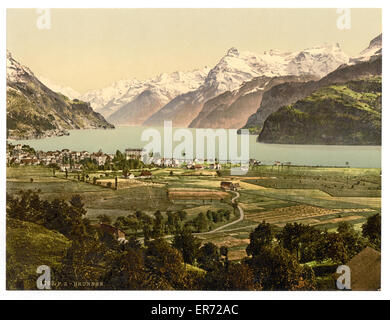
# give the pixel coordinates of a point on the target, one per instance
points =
(65, 90)
(235, 68)
(233, 52)
(166, 85)
(373, 50)
(318, 60)
(15, 70)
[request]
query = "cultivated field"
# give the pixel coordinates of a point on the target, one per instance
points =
(321, 197)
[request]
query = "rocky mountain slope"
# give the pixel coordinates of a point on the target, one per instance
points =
(35, 111)
(345, 113)
(231, 109)
(131, 102)
(288, 93)
(373, 51)
(64, 90)
(235, 68)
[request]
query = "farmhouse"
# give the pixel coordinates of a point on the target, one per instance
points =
(145, 173)
(117, 233)
(229, 185)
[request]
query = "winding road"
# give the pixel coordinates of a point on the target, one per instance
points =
(230, 223)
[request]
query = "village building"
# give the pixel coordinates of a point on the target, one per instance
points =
(77, 167)
(137, 153)
(157, 162)
(115, 232)
(229, 185)
(99, 157)
(145, 173)
(175, 163)
(215, 166)
(65, 167)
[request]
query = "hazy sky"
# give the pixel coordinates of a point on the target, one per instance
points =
(91, 48)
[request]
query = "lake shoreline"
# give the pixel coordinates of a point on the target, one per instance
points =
(123, 137)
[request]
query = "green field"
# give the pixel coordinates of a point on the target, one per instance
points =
(28, 246)
(318, 196)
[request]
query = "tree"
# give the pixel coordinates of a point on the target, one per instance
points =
(133, 224)
(158, 226)
(147, 225)
(372, 230)
(119, 156)
(164, 265)
(237, 277)
(276, 269)
(103, 218)
(201, 223)
(259, 238)
(182, 215)
(299, 239)
(121, 222)
(187, 244)
(173, 221)
(127, 271)
(80, 261)
(335, 248)
(58, 214)
(225, 253)
(352, 239)
(208, 256)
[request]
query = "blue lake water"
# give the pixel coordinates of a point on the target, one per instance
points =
(130, 137)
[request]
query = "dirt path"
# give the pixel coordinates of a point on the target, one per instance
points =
(228, 224)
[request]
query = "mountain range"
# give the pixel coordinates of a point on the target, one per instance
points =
(144, 99)
(235, 68)
(242, 90)
(35, 111)
(181, 96)
(363, 66)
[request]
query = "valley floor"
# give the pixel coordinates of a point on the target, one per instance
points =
(317, 196)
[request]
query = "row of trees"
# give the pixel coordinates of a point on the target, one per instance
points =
(205, 222)
(66, 217)
(307, 243)
(160, 224)
(151, 226)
